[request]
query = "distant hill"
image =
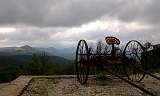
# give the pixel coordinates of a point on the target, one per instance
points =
(68, 53)
(24, 50)
(26, 47)
(12, 57)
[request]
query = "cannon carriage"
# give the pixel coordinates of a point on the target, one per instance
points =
(131, 58)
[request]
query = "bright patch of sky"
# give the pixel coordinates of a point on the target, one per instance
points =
(7, 29)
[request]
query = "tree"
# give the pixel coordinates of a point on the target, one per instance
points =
(39, 64)
(147, 45)
(100, 47)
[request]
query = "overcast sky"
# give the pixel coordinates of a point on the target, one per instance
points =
(62, 23)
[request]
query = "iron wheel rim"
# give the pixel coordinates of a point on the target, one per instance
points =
(133, 52)
(82, 57)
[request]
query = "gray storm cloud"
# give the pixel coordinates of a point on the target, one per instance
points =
(52, 19)
(64, 13)
(53, 13)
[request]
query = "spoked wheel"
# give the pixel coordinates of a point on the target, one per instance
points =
(82, 58)
(133, 52)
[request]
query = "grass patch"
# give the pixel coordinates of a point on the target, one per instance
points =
(52, 81)
(155, 70)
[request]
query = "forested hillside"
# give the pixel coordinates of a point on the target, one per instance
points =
(13, 65)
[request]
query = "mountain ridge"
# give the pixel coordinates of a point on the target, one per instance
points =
(67, 53)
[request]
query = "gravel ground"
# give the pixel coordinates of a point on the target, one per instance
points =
(111, 86)
(3, 85)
